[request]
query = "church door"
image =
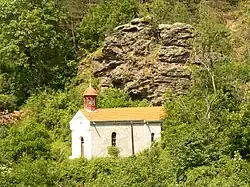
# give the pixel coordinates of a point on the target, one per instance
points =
(82, 147)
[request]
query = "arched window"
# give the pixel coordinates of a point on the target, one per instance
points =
(152, 137)
(82, 140)
(82, 146)
(113, 139)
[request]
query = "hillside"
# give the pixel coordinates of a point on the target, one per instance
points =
(191, 56)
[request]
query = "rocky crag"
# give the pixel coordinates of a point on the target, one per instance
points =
(144, 60)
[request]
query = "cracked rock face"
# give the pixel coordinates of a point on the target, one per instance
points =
(144, 60)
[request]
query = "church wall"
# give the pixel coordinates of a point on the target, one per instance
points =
(101, 137)
(139, 138)
(80, 127)
(76, 144)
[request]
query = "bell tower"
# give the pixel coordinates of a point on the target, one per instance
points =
(90, 99)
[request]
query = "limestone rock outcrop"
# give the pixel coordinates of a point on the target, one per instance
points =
(144, 60)
(8, 118)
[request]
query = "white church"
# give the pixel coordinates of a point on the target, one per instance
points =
(129, 129)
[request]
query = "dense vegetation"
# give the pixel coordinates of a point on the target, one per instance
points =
(206, 134)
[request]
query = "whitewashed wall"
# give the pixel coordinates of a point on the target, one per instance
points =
(101, 137)
(80, 127)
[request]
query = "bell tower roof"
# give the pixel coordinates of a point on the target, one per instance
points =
(90, 92)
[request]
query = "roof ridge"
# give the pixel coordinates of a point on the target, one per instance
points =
(126, 107)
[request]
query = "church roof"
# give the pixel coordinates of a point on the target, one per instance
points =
(125, 114)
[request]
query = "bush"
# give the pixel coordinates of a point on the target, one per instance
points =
(30, 172)
(7, 102)
(113, 97)
(31, 140)
(54, 110)
(169, 11)
(113, 151)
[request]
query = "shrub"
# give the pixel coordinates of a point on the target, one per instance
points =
(169, 11)
(113, 151)
(7, 102)
(113, 97)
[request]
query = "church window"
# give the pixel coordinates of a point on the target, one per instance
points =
(82, 140)
(82, 146)
(152, 137)
(113, 139)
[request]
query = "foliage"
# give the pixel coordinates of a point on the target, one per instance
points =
(71, 172)
(229, 172)
(102, 19)
(169, 11)
(29, 140)
(7, 102)
(113, 151)
(33, 173)
(60, 150)
(35, 49)
(3, 132)
(113, 97)
(54, 110)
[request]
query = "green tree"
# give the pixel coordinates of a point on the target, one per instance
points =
(101, 19)
(35, 47)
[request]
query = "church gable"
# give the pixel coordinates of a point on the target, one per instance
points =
(79, 121)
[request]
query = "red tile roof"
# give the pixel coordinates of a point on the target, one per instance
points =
(120, 114)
